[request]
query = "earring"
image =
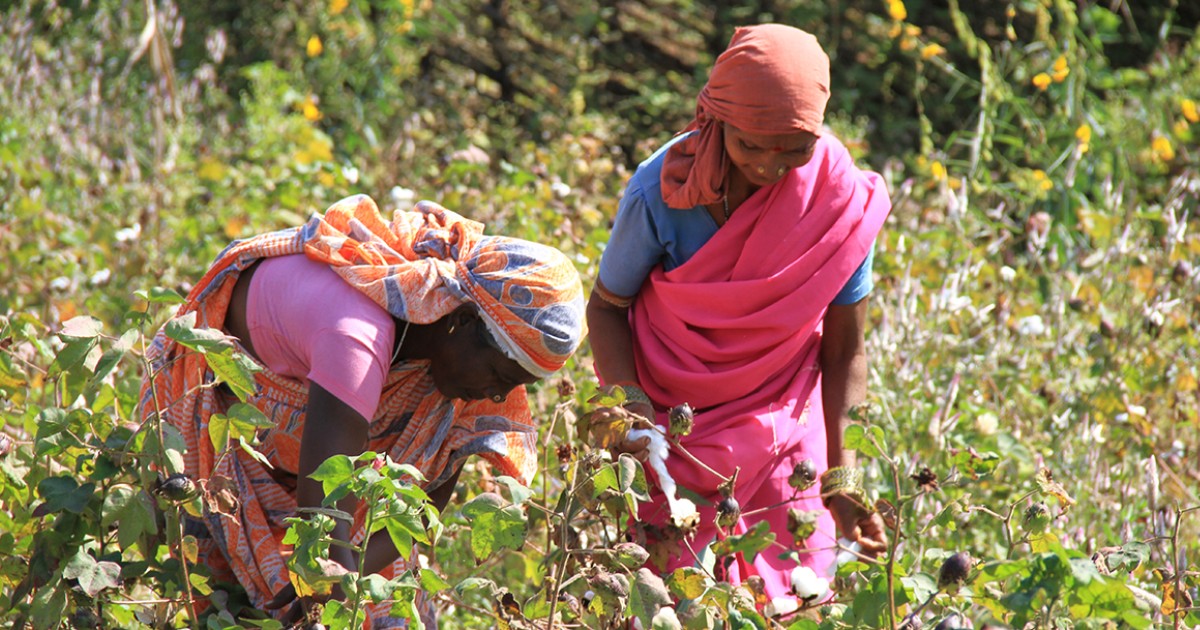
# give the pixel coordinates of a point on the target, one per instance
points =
(781, 171)
(762, 170)
(497, 398)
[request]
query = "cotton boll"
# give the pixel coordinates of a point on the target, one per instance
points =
(807, 585)
(780, 606)
(682, 510)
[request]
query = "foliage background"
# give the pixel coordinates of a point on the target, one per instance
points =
(1036, 296)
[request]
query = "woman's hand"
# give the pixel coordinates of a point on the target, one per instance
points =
(858, 525)
(606, 421)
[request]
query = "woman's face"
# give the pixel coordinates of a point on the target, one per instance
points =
(765, 159)
(468, 367)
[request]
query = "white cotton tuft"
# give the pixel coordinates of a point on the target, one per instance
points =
(658, 452)
(781, 606)
(807, 585)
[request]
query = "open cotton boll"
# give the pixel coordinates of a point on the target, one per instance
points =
(847, 552)
(807, 586)
(780, 606)
(658, 451)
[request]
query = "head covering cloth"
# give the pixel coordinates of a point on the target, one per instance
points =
(772, 79)
(426, 263)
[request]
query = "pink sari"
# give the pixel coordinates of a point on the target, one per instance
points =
(736, 332)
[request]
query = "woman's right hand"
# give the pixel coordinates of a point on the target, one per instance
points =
(616, 416)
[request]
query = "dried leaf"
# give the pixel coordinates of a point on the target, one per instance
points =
(220, 495)
(1047, 484)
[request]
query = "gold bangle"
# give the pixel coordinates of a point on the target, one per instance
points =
(847, 482)
(634, 394)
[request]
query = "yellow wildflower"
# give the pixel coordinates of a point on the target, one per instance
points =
(1010, 12)
(912, 30)
(938, 170)
(1060, 69)
(1084, 135)
(337, 6)
(1163, 149)
(907, 44)
(896, 10)
(1189, 110)
(931, 50)
(314, 46)
(895, 31)
(1043, 182)
(1042, 81)
(311, 112)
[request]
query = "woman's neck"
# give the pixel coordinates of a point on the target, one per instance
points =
(739, 188)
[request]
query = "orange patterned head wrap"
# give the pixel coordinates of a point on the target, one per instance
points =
(429, 261)
(772, 79)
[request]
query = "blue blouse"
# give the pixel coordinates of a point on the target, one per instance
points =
(647, 232)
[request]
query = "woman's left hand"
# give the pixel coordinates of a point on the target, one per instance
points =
(858, 525)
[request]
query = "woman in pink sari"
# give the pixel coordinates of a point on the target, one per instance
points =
(736, 280)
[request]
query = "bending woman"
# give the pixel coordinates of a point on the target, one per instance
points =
(735, 280)
(414, 339)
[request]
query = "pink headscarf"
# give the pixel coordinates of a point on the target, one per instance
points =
(773, 79)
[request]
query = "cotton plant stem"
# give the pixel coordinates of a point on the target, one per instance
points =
(692, 458)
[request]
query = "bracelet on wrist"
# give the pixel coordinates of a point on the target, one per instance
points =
(634, 394)
(847, 482)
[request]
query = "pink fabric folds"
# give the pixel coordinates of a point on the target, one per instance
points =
(772, 79)
(736, 333)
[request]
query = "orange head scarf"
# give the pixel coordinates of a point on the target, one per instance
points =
(772, 79)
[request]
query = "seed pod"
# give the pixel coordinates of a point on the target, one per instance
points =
(682, 420)
(728, 512)
(178, 487)
(1107, 329)
(955, 569)
(1037, 518)
(803, 476)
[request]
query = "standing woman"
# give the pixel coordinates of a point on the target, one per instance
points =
(736, 280)
(413, 338)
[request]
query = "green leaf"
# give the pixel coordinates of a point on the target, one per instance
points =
(236, 370)
(182, 329)
(687, 583)
(477, 584)
(516, 490)
(377, 587)
(200, 583)
(112, 357)
(73, 354)
(333, 472)
(920, 586)
(159, 295)
(253, 452)
(132, 510)
(647, 595)
(431, 582)
(49, 603)
(856, 438)
(82, 327)
(494, 525)
(1130, 556)
(749, 544)
(64, 493)
(92, 576)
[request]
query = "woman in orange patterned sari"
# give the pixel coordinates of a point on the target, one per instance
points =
(413, 338)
